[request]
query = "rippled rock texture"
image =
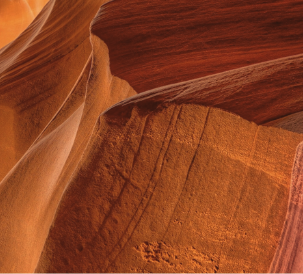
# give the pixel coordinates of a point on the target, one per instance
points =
(151, 136)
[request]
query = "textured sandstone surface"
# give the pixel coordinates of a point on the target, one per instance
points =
(288, 257)
(40, 68)
(156, 43)
(206, 201)
(196, 173)
(260, 93)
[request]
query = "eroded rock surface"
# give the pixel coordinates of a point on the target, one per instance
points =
(195, 174)
(175, 189)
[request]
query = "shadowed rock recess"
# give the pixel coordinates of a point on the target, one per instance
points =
(151, 136)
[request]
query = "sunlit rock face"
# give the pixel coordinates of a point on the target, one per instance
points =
(15, 16)
(36, 5)
(151, 136)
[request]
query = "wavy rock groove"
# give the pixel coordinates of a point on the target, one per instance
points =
(200, 171)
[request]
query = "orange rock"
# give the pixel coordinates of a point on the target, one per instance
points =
(15, 16)
(288, 255)
(31, 191)
(180, 188)
(39, 69)
(36, 5)
(164, 181)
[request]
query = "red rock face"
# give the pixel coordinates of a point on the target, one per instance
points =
(256, 93)
(196, 174)
(156, 43)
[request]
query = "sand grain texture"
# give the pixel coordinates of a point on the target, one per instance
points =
(202, 204)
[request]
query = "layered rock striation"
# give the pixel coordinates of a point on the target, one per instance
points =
(196, 173)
